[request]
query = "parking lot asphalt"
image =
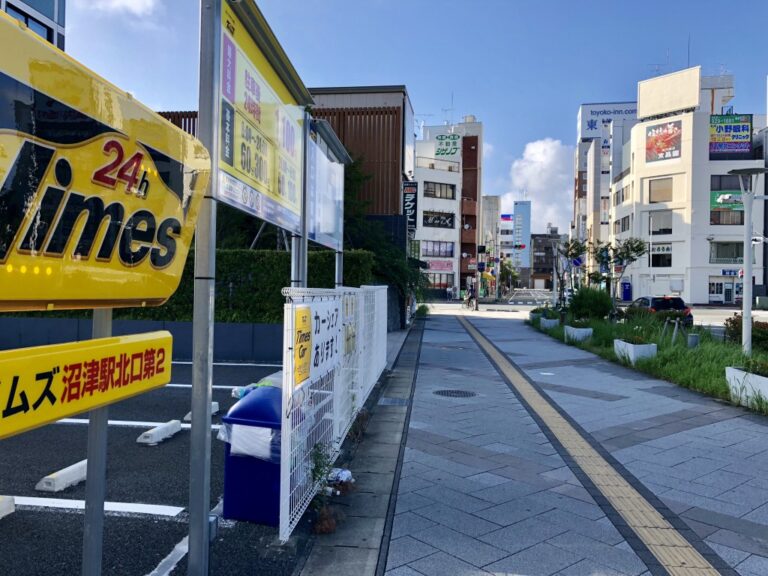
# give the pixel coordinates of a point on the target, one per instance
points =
(47, 540)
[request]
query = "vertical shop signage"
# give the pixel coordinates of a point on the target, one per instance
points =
(410, 199)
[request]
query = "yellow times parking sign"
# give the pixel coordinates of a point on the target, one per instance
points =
(98, 194)
(46, 383)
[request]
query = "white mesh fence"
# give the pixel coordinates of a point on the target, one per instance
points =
(334, 350)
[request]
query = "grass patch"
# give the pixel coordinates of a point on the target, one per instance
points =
(701, 369)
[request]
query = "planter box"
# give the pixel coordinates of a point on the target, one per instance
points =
(746, 387)
(533, 316)
(546, 323)
(633, 352)
(577, 334)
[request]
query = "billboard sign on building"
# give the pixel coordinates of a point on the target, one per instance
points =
(730, 136)
(99, 195)
(261, 135)
(674, 92)
(734, 204)
(440, 265)
(592, 117)
(448, 146)
(410, 202)
(663, 141)
(439, 220)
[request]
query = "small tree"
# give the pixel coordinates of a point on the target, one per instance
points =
(622, 253)
(564, 253)
(507, 274)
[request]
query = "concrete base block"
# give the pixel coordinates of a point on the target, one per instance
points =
(64, 478)
(156, 435)
(7, 506)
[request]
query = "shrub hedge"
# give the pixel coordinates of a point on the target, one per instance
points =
(590, 303)
(248, 285)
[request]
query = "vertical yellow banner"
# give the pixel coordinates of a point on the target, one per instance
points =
(302, 344)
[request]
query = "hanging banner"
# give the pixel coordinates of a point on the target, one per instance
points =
(261, 137)
(98, 194)
(46, 383)
(410, 207)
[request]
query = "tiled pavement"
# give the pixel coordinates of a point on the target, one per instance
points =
(482, 490)
(706, 460)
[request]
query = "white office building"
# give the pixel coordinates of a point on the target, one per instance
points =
(673, 180)
(438, 212)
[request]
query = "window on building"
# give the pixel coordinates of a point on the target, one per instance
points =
(437, 249)
(438, 219)
(726, 253)
(729, 183)
(660, 190)
(439, 190)
(660, 222)
(440, 280)
(661, 260)
(35, 25)
(625, 224)
(617, 226)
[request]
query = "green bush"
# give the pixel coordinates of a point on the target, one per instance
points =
(759, 332)
(248, 285)
(550, 314)
(591, 303)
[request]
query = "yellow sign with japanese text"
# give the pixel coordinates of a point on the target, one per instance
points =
(302, 345)
(98, 194)
(261, 135)
(46, 383)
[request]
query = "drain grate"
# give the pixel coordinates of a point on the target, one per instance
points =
(455, 393)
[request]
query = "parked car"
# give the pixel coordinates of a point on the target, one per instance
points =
(663, 304)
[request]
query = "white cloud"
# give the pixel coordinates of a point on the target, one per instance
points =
(488, 149)
(135, 7)
(545, 174)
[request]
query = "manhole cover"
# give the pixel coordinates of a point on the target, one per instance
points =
(455, 393)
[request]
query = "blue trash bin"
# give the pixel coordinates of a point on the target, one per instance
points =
(252, 484)
(626, 291)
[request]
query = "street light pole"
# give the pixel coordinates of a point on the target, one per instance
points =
(747, 198)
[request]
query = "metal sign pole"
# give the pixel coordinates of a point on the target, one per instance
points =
(205, 286)
(305, 206)
(96, 478)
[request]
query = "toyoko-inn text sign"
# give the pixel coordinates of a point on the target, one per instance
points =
(98, 195)
(46, 383)
(261, 137)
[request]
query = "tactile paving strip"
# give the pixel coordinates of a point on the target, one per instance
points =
(673, 552)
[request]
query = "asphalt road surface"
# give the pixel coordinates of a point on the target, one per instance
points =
(44, 537)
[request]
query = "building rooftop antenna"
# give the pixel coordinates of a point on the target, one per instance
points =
(449, 111)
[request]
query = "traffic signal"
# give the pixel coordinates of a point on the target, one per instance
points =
(518, 246)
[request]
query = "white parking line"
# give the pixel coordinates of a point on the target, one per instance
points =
(127, 423)
(168, 564)
(247, 364)
(190, 386)
(126, 507)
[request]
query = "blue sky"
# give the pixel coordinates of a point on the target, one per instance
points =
(521, 66)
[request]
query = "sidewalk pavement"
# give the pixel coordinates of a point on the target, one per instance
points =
(483, 490)
(490, 482)
(706, 460)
